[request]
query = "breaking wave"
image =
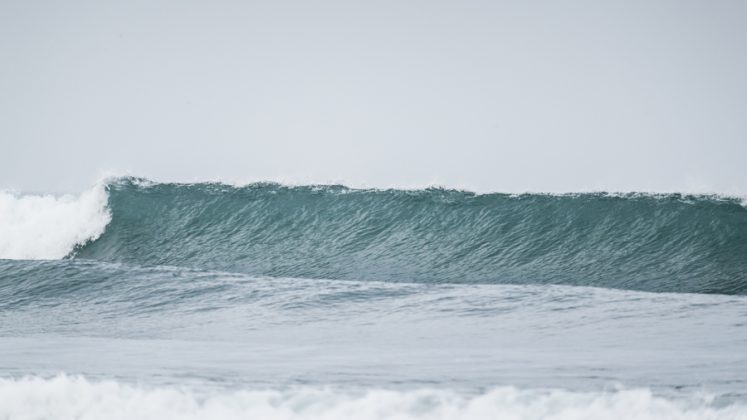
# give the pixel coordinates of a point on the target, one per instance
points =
(39, 227)
(659, 243)
(78, 398)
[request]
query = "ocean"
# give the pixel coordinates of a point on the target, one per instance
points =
(144, 300)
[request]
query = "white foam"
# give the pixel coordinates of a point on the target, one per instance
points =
(48, 227)
(65, 397)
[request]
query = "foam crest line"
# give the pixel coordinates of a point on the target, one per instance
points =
(76, 397)
(45, 227)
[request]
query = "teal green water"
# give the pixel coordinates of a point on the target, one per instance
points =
(209, 301)
(666, 243)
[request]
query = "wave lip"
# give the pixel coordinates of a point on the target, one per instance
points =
(44, 227)
(76, 397)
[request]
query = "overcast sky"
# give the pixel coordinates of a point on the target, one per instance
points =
(488, 95)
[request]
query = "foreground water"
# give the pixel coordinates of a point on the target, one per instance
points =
(142, 300)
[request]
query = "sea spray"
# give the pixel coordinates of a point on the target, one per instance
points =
(34, 227)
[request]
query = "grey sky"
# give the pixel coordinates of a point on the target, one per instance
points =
(488, 95)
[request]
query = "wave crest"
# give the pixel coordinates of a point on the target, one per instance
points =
(45, 227)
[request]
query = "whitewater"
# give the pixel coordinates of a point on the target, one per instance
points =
(140, 299)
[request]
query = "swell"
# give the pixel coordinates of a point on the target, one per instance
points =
(100, 299)
(664, 243)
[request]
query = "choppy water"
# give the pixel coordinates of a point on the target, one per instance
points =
(145, 300)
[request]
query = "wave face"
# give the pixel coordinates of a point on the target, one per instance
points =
(659, 243)
(76, 397)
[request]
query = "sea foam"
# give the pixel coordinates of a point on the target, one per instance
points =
(45, 227)
(73, 397)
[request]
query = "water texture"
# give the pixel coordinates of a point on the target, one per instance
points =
(138, 299)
